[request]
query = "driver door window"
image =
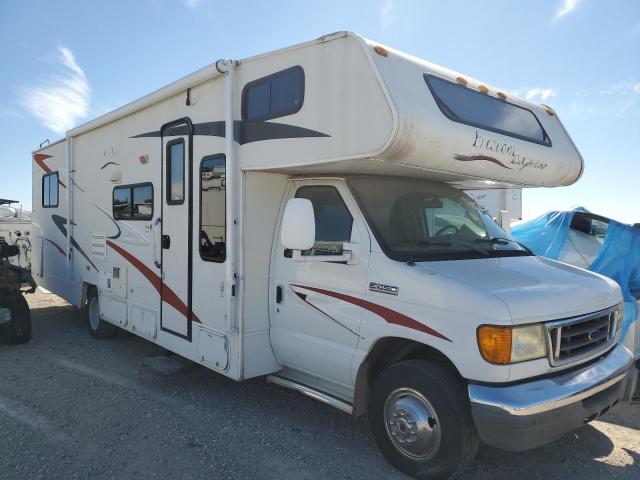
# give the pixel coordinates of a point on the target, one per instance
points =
(333, 220)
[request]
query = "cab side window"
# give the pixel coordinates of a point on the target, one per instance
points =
(333, 219)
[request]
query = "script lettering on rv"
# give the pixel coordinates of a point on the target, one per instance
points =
(515, 160)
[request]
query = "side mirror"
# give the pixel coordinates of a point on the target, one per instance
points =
(298, 230)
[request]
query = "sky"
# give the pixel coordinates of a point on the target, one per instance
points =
(65, 62)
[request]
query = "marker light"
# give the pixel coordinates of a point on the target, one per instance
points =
(381, 51)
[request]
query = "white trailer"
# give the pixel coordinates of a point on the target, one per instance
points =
(298, 215)
(15, 229)
(499, 200)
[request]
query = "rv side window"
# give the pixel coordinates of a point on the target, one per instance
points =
(213, 207)
(133, 202)
(175, 172)
(122, 203)
(274, 96)
(50, 190)
(333, 219)
(142, 205)
(470, 107)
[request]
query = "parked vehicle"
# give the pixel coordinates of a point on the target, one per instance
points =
(15, 229)
(15, 317)
(499, 200)
(593, 242)
(299, 215)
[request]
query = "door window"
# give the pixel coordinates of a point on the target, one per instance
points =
(333, 219)
(175, 172)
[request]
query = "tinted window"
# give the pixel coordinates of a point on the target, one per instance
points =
(213, 204)
(121, 202)
(590, 224)
(464, 105)
(175, 172)
(50, 190)
(142, 208)
(258, 101)
(133, 202)
(421, 220)
(333, 219)
(45, 191)
(276, 95)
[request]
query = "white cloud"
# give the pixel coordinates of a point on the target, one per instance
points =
(386, 14)
(567, 7)
(626, 87)
(613, 100)
(541, 93)
(193, 4)
(61, 99)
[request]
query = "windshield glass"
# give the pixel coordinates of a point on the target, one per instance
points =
(420, 220)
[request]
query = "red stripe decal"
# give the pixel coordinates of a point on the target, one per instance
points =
(58, 247)
(389, 315)
(39, 158)
(168, 295)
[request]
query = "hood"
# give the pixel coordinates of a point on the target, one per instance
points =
(534, 288)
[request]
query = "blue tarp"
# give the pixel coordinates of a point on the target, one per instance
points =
(618, 258)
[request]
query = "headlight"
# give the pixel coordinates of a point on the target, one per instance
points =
(617, 318)
(504, 345)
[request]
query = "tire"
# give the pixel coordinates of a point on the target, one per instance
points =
(422, 393)
(18, 330)
(98, 328)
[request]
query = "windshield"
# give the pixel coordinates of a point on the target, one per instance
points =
(420, 220)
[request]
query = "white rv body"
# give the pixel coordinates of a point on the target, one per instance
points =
(499, 200)
(258, 309)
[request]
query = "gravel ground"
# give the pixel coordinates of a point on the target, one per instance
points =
(74, 407)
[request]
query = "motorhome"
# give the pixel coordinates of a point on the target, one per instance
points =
(15, 229)
(500, 202)
(299, 215)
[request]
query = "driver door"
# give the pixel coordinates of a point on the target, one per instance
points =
(313, 328)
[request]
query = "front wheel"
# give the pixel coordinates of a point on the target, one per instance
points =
(18, 329)
(98, 328)
(421, 420)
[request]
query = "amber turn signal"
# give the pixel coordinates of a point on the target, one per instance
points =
(495, 344)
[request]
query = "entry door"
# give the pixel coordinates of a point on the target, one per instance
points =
(315, 319)
(176, 229)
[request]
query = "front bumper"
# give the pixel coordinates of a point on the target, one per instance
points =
(527, 415)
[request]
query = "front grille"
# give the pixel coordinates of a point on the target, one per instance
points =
(575, 338)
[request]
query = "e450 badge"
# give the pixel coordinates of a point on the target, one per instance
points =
(381, 288)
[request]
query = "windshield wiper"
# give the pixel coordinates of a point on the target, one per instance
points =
(450, 243)
(503, 241)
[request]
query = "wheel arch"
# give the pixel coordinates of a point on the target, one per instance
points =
(385, 352)
(86, 288)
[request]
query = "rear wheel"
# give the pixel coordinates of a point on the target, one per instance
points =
(421, 420)
(98, 328)
(18, 329)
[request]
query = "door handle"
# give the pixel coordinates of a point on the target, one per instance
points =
(166, 242)
(279, 294)
(154, 230)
